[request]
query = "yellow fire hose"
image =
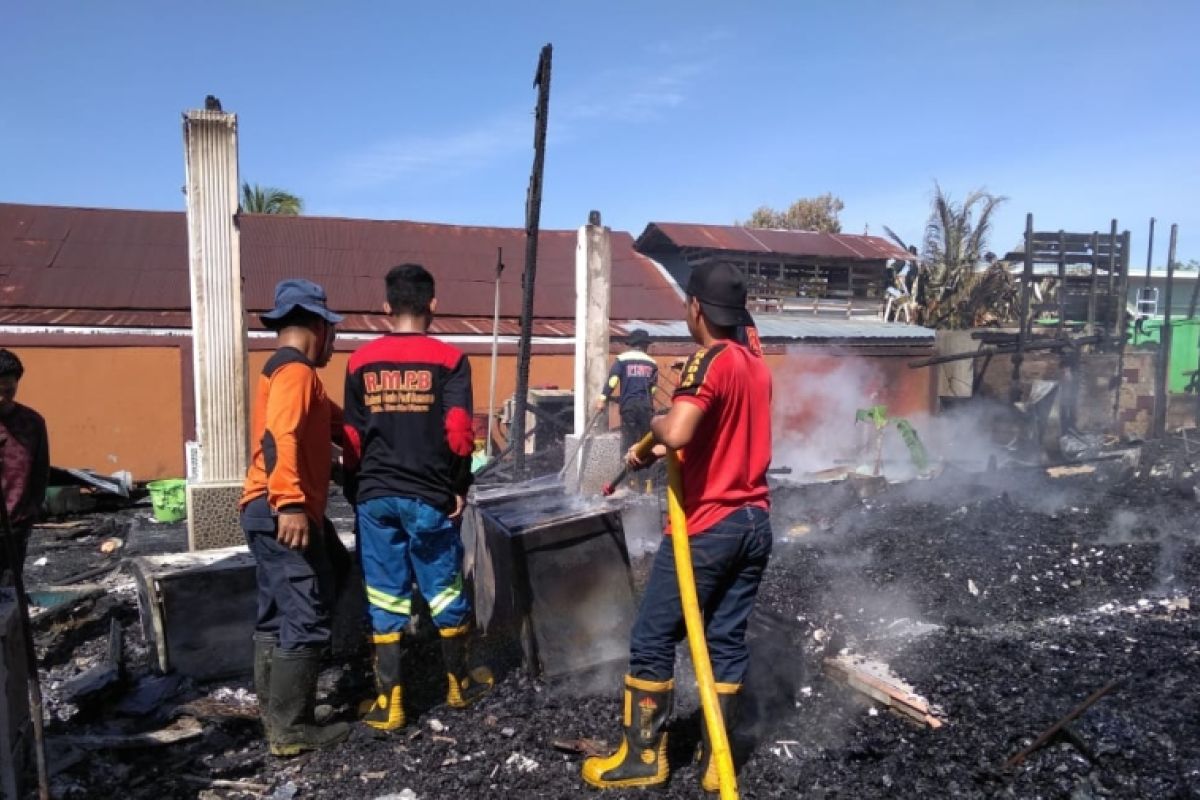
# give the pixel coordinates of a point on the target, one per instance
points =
(695, 623)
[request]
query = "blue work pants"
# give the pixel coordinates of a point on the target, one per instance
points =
(728, 560)
(402, 540)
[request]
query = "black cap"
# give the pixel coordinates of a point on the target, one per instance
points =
(299, 293)
(638, 338)
(721, 290)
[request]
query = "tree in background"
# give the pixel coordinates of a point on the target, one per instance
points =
(955, 294)
(269, 200)
(806, 214)
(956, 236)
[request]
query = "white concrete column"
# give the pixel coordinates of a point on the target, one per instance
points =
(593, 296)
(218, 320)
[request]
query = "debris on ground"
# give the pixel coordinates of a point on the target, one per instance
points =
(1081, 578)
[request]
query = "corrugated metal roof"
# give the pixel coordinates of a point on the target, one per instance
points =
(76, 258)
(365, 323)
(800, 329)
(668, 236)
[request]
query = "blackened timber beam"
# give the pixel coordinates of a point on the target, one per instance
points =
(533, 213)
(1118, 330)
(1091, 312)
(1003, 350)
(1062, 283)
(1163, 373)
(1014, 389)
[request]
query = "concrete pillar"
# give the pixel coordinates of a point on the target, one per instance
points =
(593, 296)
(218, 325)
(597, 459)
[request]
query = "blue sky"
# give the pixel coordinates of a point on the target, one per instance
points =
(683, 111)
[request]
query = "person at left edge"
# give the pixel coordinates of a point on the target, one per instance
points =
(293, 425)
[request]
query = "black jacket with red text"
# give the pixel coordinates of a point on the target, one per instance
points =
(408, 420)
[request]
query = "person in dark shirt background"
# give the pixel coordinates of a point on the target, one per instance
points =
(24, 462)
(634, 376)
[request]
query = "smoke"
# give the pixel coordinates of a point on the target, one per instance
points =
(814, 414)
(1121, 527)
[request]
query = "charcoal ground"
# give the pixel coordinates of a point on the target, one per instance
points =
(1005, 598)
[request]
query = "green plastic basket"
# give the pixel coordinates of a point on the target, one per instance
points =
(169, 499)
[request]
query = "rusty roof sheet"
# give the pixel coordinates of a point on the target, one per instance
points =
(672, 236)
(55, 257)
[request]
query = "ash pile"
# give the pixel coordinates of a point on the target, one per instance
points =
(922, 638)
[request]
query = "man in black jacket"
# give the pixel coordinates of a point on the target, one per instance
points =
(409, 440)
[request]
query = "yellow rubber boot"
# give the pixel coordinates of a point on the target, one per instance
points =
(641, 758)
(464, 685)
(728, 696)
(387, 712)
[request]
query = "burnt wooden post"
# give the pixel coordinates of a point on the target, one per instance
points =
(533, 212)
(1150, 253)
(1062, 283)
(1163, 373)
(1091, 320)
(1118, 329)
(1014, 390)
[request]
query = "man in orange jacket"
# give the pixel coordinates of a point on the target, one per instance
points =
(283, 513)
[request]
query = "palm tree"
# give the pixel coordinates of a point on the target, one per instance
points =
(269, 200)
(955, 237)
(954, 294)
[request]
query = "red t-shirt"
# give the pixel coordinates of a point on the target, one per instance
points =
(725, 464)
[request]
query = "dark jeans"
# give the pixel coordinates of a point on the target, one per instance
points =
(635, 423)
(296, 589)
(22, 535)
(728, 561)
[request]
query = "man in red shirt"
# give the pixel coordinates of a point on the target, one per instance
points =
(24, 463)
(720, 422)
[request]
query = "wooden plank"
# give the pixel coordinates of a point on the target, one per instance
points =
(875, 680)
(181, 730)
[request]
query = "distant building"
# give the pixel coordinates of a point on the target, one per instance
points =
(788, 271)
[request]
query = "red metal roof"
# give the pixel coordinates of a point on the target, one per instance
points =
(55, 257)
(669, 236)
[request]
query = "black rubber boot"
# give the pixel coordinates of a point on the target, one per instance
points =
(264, 651)
(729, 696)
(465, 685)
(641, 759)
(387, 712)
(293, 698)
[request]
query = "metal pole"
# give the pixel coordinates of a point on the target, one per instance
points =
(495, 352)
(31, 665)
(1162, 384)
(533, 212)
(1014, 390)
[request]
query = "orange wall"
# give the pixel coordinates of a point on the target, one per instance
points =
(108, 408)
(115, 408)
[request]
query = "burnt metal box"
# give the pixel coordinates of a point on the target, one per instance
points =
(197, 611)
(553, 567)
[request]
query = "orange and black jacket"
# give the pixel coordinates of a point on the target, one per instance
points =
(293, 425)
(408, 420)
